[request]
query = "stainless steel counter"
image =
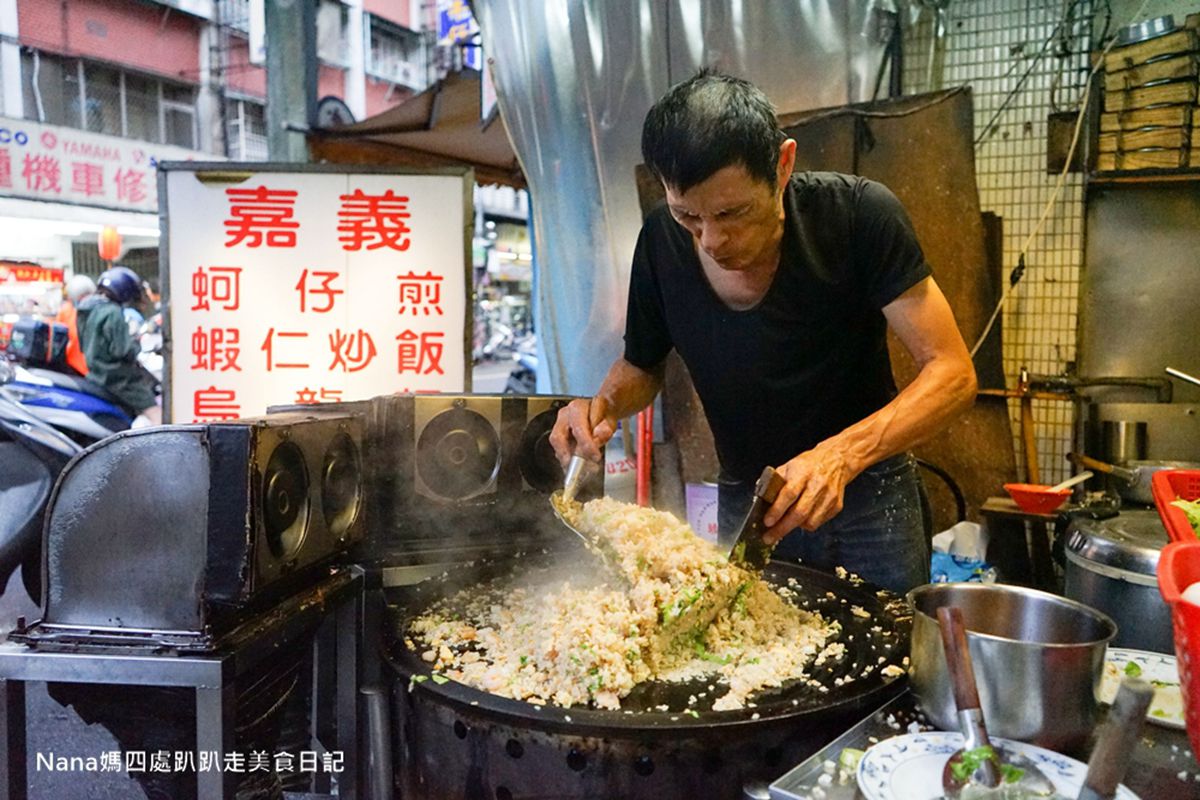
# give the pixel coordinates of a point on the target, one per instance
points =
(1162, 754)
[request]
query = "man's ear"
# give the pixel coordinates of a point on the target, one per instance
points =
(787, 161)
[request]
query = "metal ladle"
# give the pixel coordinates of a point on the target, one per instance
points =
(989, 773)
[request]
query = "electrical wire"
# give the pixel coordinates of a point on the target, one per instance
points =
(1016, 90)
(1018, 271)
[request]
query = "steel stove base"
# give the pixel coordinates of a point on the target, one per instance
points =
(214, 678)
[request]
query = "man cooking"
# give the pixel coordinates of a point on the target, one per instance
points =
(777, 291)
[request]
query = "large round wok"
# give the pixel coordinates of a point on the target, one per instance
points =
(876, 641)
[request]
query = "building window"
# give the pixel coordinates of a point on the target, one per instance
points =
(235, 14)
(396, 54)
(178, 115)
(95, 97)
(332, 21)
(247, 127)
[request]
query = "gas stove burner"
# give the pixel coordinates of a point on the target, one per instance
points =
(341, 485)
(285, 501)
(458, 454)
(539, 464)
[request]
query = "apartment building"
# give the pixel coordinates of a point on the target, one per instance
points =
(93, 93)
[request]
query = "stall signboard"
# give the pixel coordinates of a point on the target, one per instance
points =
(65, 165)
(289, 284)
(16, 272)
(456, 27)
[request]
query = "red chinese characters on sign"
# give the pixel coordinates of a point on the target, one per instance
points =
(5, 168)
(87, 179)
(420, 294)
(373, 221)
(214, 403)
(420, 353)
(268, 347)
(42, 174)
(261, 215)
(351, 351)
(216, 349)
(306, 289)
(131, 185)
(217, 285)
(307, 396)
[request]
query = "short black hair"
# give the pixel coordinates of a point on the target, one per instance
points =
(709, 122)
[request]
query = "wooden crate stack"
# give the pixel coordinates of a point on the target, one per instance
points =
(1150, 97)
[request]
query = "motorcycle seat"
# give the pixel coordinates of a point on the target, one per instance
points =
(76, 383)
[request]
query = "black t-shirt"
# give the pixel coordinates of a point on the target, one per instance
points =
(811, 357)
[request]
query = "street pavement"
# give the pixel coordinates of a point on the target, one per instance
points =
(52, 728)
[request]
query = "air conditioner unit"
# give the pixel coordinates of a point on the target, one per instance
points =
(406, 74)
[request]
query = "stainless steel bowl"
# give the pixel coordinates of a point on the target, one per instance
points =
(1038, 660)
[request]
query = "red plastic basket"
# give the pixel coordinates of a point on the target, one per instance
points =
(1179, 568)
(1168, 486)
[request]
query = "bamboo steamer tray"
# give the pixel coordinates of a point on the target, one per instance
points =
(1178, 116)
(1165, 69)
(1176, 92)
(1181, 41)
(1142, 159)
(1127, 141)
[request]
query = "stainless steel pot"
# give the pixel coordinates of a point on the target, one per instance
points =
(1133, 477)
(1112, 566)
(1038, 660)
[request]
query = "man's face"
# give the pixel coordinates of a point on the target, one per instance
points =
(736, 219)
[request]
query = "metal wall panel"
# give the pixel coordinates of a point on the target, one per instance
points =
(1140, 305)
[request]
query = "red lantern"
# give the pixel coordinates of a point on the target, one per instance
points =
(109, 243)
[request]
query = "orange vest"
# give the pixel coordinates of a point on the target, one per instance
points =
(66, 315)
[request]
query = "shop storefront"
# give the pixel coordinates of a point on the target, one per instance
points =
(59, 187)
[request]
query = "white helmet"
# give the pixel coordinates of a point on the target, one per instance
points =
(79, 287)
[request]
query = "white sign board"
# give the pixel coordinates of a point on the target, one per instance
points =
(313, 286)
(64, 165)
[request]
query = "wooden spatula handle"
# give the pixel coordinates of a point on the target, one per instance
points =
(770, 483)
(1117, 738)
(958, 657)
(1090, 463)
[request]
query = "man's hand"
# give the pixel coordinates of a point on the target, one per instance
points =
(583, 426)
(816, 485)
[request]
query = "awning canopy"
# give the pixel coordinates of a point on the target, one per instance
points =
(441, 126)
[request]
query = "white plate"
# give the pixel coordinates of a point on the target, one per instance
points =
(1160, 670)
(909, 767)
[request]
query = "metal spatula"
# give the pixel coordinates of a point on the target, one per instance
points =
(749, 549)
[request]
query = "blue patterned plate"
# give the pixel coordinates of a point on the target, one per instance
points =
(910, 767)
(1159, 670)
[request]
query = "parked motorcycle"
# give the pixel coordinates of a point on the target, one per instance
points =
(73, 405)
(523, 378)
(32, 454)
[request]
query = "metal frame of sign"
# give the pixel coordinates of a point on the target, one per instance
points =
(232, 172)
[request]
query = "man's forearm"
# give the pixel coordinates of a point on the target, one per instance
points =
(941, 392)
(628, 389)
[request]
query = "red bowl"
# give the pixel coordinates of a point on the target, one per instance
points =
(1034, 498)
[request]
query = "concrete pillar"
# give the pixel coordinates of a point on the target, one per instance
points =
(357, 46)
(12, 102)
(291, 76)
(208, 99)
